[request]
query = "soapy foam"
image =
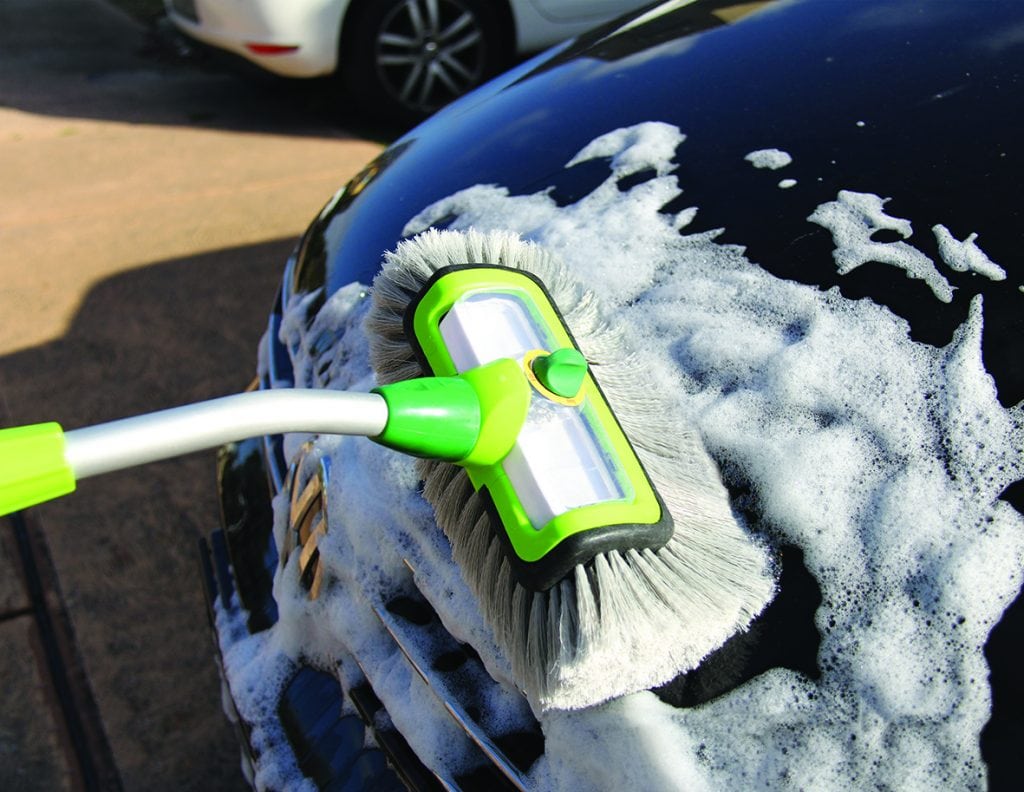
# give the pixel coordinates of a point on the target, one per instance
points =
(966, 256)
(880, 457)
(853, 217)
(256, 670)
(772, 158)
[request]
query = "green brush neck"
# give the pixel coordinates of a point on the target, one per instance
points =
(473, 418)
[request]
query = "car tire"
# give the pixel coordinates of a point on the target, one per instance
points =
(404, 59)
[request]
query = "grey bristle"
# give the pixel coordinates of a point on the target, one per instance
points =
(625, 621)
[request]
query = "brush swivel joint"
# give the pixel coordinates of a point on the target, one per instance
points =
(469, 419)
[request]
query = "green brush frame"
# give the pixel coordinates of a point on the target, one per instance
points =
(543, 555)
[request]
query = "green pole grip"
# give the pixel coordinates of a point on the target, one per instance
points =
(436, 418)
(473, 418)
(32, 466)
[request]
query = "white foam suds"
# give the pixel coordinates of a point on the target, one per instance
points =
(633, 149)
(771, 158)
(966, 256)
(785, 184)
(880, 457)
(256, 668)
(853, 218)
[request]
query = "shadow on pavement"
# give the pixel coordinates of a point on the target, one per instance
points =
(109, 663)
(125, 543)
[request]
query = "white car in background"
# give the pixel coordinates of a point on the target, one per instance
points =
(404, 57)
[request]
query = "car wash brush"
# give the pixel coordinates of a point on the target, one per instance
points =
(601, 546)
(588, 520)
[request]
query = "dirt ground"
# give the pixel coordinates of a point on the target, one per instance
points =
(146, 210)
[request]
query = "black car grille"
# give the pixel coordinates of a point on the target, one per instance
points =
(244, 559)
(498, 755)
(454, 674)
(329, 746)
(456, 677)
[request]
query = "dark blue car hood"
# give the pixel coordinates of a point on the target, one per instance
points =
(918, 102)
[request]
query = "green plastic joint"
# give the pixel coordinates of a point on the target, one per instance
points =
(32, 466)
(504, 394)
(471, 419)
(431, 417)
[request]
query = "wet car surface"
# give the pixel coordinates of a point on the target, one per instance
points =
(865, 151)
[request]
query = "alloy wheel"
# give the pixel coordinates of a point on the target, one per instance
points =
(430, 51)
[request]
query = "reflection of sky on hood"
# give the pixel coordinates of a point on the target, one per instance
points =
(1012, 36)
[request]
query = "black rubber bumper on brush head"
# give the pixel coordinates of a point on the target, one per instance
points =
(578, 549)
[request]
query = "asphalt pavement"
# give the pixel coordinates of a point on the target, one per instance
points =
(147, 206)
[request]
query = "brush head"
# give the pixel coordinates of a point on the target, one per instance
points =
(627, 611)
(571, 486)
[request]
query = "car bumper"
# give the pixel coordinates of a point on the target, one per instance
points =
(338, 732)
(294, 39)
(335, 738)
